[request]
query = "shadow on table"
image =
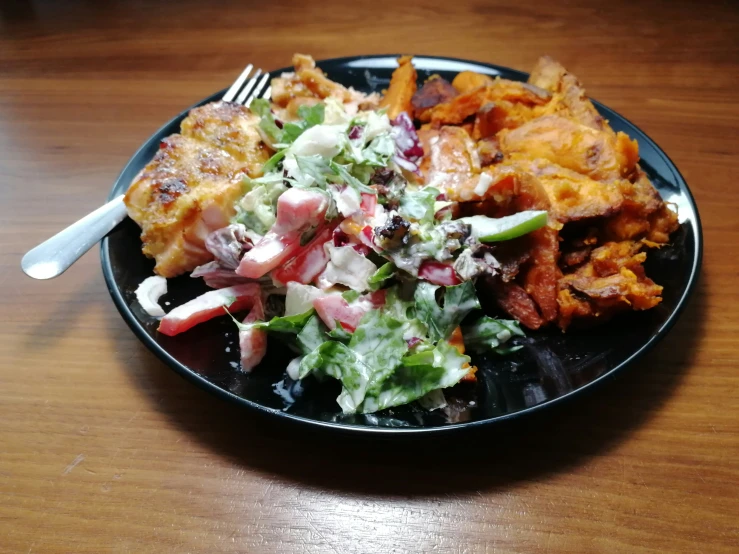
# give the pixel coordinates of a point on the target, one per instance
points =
(482, 459)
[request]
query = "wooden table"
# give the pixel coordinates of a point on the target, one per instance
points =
(103, 448)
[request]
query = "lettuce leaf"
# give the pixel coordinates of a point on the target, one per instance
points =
(374, 351)
(418, 375)
(311, 336)
(458, 301)
(381, 275)
(488, 334)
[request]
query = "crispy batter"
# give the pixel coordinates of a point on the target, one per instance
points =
(600, 155)
(229, 127)
(401, 90)
(434, 91)
(612, 280)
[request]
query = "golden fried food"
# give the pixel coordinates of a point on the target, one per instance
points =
(466, 81)
(574, 196)
(401, 90)
(569, 97)
(497, 147)
(611, 281)
(467, 104)
(190, 187)
(600, 155)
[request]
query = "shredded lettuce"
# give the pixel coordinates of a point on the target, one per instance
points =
(310, 116)
(458, 301)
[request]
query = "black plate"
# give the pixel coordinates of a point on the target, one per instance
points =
(550, 369)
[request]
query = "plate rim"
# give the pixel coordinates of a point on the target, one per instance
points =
(366, 430)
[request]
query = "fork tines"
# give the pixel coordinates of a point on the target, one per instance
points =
(248, 90)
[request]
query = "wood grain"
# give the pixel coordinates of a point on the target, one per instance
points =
(104, 449)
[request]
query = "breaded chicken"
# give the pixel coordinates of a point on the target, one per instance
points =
(190, 187)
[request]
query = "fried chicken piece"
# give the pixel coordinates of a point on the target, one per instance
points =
(190, 186)
(573, 196)
(469, 103)
(569, 97)
(435, 90)
(403, 85)
(613, 280)
(600, 155)
(316, 81)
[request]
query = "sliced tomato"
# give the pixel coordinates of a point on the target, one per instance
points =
(297, 211)
(252, 341)
(438, 273)
(369, 203)
(310, 261)
(209, 305)
(334, 307)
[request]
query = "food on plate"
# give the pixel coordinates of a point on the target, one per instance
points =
(387, 238)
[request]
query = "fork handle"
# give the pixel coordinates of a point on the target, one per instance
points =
(54, 256)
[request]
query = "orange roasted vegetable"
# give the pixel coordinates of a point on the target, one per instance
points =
(466, 81)
(401, 89)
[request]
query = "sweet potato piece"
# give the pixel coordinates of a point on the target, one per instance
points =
(466, 81)
(613, 280)
(402, 87)
(493, 117)
(489, 151)
(541, 279)
(600, 155)
(467, 104)
(574, 196)
(643, 210)
(569, 95)
(434, 91)
(516, 302)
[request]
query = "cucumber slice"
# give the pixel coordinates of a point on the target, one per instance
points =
(487, 229)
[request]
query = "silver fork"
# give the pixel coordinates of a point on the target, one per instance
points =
(55, 255)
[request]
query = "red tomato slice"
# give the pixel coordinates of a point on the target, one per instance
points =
(309, 263)
(209, 305)
(438, 273)
(369, 203)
